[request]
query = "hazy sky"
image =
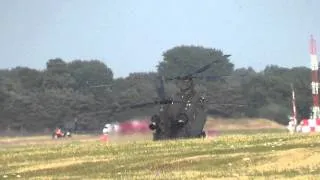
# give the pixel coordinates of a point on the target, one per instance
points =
(131, 35)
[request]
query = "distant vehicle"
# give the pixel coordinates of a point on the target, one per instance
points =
(108, 128)
(58, 133)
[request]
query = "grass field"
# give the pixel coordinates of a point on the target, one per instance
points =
(246, 156)
(241, 151)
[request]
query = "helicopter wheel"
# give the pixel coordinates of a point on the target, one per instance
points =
(203, 134)
(152, 126)
(154, 122)
(182, 120)
(181, 127)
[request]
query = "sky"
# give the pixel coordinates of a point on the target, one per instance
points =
(131, 35)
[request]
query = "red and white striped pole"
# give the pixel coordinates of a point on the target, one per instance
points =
(314, 77)
(294, 111)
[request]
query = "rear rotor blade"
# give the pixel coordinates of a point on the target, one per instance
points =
(200, 70)
(204, 68)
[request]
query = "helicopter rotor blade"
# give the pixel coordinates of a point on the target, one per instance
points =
(114, 110)
(90, 85)
(102, 85)
(166, 101)
(239, 104)
(204, 68)
(111, 111)
(227, 104)
(200, 70)
(211, 78)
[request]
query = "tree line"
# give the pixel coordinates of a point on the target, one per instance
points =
(84, 90)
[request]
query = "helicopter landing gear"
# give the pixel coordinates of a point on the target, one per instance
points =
(154, 122)
(203, 134)
(182, 120)
(153, 126)
(181, 123)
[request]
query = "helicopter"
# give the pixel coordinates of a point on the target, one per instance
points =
(184, 114)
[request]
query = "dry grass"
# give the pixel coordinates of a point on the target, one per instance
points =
(241, 124)
(34, 140)
(232, 156)
(298, 158)
(259, 156)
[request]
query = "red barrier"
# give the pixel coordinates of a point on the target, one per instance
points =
(134, 126)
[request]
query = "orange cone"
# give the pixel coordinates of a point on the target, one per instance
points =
(104, 138)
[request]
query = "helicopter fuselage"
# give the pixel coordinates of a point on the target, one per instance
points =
(180, 120)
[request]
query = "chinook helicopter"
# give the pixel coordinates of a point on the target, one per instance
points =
(184, 114)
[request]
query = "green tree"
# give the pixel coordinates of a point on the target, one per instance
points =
(90, 73)
(57, 75)
(182, 60)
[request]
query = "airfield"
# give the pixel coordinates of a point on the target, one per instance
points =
(238, 149)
